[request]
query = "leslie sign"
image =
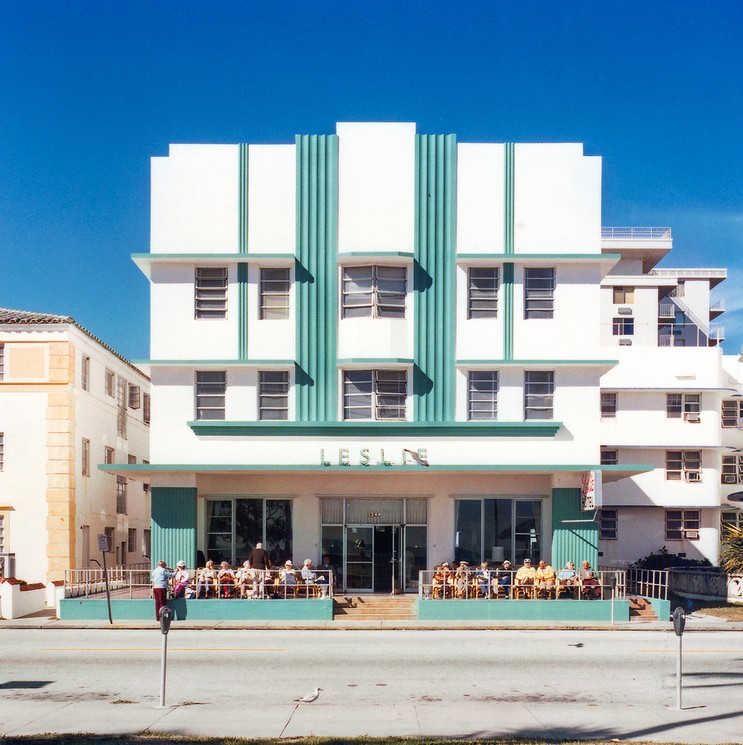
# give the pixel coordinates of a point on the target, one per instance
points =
(590, 492)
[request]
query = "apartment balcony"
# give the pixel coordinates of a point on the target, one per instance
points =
(636, 234)
(648, 245)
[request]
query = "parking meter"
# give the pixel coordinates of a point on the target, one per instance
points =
(679, 620)
(166, 618)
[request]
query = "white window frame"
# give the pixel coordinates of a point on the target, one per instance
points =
(110, 383)
(683, 524)
(482, 400)
(608, 524)
(684, 465)
(122, 390)
(731, 413)
(381, 300)
(135, 396)
(731, 470)
(273, 395)
(537, 403)
(2, 451)
(623, 326)
(623, 295)
(686, 406)
(146, 408)
(539, 292)
(2, 361)
(121, 496)
(609, 405)
(210, 395)
(274, 293)
(210, 292)
(85, 457)
(482, 291)
(109, 456)
(85, 373)
(730, 518)
(131, 541)
(385, 386)
(609, 456)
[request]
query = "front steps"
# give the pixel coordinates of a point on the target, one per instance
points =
(640, 609)
(374, 608)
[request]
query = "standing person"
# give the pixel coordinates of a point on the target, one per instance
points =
(328, 570)
(259, 561)
(161, 574)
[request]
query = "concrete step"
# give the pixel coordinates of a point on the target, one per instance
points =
(374, 607)
(640, 609)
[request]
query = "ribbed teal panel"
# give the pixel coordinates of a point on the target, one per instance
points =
(316, 277)
(507, 310)
(434, 277)
(242, 311)
(173, 525)
(508, 222)
(243, 192)
(572, 541)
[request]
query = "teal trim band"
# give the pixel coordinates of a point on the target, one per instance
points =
(508, 203)
(540, 257)
(292, 467)
(173, 522)
(377, 429)
(215, 363)
(202, 257)
(316, 277)
(376, 361)
(375, 254)
(242, 311)
(540, 363)
(243, 245)
(508, 311)
(434, 277)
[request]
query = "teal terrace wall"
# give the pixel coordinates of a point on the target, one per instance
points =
(315, 609)
(522, 610)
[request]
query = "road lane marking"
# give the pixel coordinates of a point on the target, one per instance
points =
(171, 649)
(692, 651)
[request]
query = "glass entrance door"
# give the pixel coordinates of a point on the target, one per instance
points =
(359, 558)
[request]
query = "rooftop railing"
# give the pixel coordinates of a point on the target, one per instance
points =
(635, 233)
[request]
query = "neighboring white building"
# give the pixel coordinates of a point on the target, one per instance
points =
(68, 403)
(398, 349)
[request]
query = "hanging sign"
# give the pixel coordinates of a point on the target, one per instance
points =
(590, 492)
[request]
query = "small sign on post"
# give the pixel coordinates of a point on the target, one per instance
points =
(679, 622)
(104, 548)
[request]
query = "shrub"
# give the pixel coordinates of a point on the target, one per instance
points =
(731, 556)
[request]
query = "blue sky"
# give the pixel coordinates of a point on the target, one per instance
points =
(90, 90)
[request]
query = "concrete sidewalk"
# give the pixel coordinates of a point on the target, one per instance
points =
(332, 717)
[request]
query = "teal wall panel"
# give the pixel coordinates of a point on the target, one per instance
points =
(242, 311)
(434, 277)
(573, 541)
(173, 525)
(316, 277)
(243, 196)
(507, 310)
(523, 610)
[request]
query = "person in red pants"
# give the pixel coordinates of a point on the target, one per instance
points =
(161, 575)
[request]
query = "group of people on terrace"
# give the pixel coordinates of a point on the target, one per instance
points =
(255, 578)
(459, 580)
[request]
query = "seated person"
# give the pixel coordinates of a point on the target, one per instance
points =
(589, 582)
(461, 579)
(545, 579)
(226, 580)
(482, 580)
(245, 580)
(504, 578)
(287, 575)
(181, 580)
(206, 580)
(567, 577)
(311, 577)
(442, 580)
(526, 576)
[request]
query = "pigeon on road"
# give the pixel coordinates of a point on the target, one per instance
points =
(309, 698)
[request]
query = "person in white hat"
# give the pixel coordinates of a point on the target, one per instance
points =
(181, 580)
(288, 576)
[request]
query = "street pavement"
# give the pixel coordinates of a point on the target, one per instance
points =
(474, 683)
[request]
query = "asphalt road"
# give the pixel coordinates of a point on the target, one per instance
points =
(584, 677)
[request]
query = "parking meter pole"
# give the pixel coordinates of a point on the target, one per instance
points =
(679, 622)
(163, 669)
(679, 673)
(108, 591)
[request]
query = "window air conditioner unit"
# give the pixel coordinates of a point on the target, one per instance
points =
(729, 478)
(693, 476)
(625, 342)
(624, 311)
(691, 535)
(693, 417)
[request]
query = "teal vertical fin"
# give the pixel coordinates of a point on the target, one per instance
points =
(242, 311)
(435, 277)
(316, 277)
(173, 524)
(572, 541)
(508, 249)
(243, 196)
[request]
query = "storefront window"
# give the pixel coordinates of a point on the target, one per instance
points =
(234, 526)
(496, 529)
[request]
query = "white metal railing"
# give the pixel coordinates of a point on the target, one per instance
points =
(131, 583)
(652, 583)
(499, 584)
(698, 273)
(634, 233)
